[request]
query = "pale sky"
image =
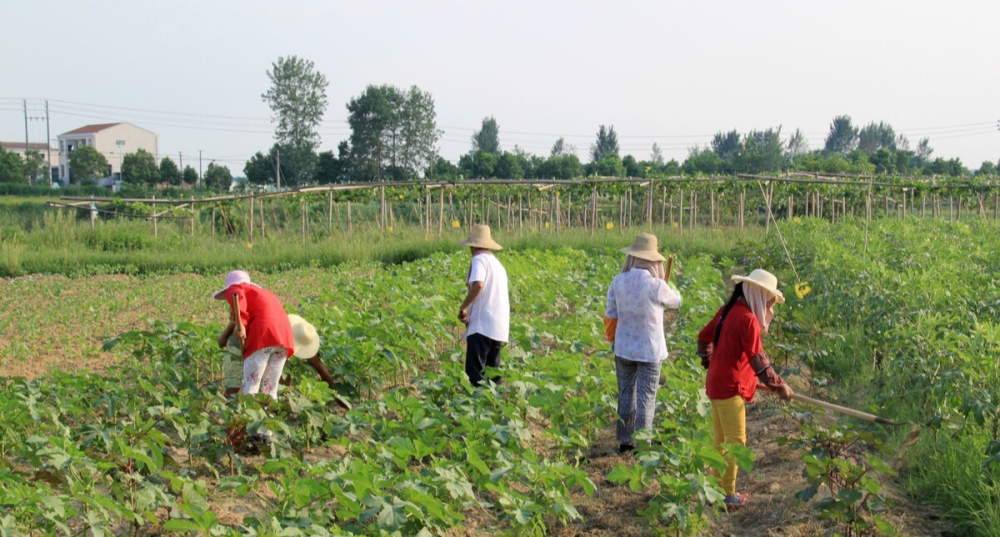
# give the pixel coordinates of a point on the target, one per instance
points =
(660, 71)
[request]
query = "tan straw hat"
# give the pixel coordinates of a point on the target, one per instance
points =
(306, 338)
(763, 279)
(644, 247)
(479, 237)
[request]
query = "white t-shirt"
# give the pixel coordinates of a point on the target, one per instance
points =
(637, 300)
(489, 313)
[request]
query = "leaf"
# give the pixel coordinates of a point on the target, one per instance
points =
(851, 496)
(807, 493)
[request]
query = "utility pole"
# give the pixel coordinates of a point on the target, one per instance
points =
(199, 167)
(180, 155)
(277, 168)
(25, 103)
(48, 145)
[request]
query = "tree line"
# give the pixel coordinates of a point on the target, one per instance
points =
(394, 137)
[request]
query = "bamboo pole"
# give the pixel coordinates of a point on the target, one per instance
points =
(250, 227)
(441, 214)
(329, 212)
(155, 232)
(349, 223)
(261, 209)
(192, 216)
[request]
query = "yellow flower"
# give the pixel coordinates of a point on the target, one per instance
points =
(674, 225)
(546, 225)
(802, 289)
(389, 229)
(454, 223)
(648, 168)
(249, 245)
(609, 225)
(797, 220)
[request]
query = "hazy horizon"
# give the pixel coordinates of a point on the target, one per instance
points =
(669, 73)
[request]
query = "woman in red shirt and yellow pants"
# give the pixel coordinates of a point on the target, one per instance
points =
(730, 348)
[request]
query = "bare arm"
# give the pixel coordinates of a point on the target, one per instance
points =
(767, 376)
(475, 288)
(224, 336)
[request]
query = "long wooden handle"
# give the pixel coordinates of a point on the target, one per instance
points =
(670, 267)
(239, 320)
(837, 408)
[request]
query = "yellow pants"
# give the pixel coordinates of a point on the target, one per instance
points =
(729, 420)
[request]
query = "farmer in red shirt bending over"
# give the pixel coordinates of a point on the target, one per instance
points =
(264, 331)
(730, 348)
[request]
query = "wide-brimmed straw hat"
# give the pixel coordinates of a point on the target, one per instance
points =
(306, 338)
(479, 237)
(235, 277)
(763, 279)
(644, 247)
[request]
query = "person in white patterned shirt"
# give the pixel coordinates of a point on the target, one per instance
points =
(636, 299)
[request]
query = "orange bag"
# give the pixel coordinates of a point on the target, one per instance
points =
(610, 327)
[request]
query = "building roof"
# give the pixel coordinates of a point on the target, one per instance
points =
(91, 128)
(20, 146)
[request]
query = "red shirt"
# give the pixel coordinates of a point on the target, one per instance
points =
(266, 321)
(729, 371)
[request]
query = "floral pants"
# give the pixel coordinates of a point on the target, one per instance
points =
(262, 371)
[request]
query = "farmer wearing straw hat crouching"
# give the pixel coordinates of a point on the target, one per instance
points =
(636, 299)
(731, 349)
(264, 332)
(486, 308)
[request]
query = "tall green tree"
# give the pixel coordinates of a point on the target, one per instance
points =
(632, 167)
(190, 176)
(797, 145)
(702, 160)
(218, 177)
(169, 172)
(297, 98)
(987, 169)
(260, 169)
(393, 133)
(875, 136)
(760, 151)
(843, 135)
(11, 167)
(606, 144)
(508, 167)
(484, 165)
(656, 157)
(924, 149)
(35, 168)
(727, 145)
(560, 148)
(139, 168)
(442, 169)
(487, 138)
(87, 164)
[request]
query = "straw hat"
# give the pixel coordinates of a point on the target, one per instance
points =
(306, 338)
(644, 247)
(763, 279)
(235, 277)
(479, 237)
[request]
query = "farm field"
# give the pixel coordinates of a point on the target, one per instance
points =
(146, 445)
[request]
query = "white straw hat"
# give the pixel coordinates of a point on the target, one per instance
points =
(763, 279)
(479, 237)
(306, 338)
(235, 277)
(644, 247)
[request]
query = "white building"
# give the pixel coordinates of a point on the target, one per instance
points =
(113, 140)
(47, 152)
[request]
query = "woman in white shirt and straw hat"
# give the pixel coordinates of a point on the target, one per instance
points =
(486, 308)
(636, 298)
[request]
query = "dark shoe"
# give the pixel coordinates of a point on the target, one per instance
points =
(739, 501)
(625, 448)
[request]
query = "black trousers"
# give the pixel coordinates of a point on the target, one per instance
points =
(481, 352)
